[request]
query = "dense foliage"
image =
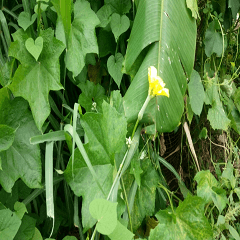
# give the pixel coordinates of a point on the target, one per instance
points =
(119, 119)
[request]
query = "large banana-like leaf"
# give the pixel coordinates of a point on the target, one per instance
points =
(167, 28)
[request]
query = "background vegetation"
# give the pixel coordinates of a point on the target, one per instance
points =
(73, 78)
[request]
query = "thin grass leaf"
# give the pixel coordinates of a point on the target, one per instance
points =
(48, 137)
(5, 29)
(49, 179)
(38, 191)
(74, 132)
(4, 44)
(182, 186)
(10, 13)
(69, 128)
(55, 108)
(124, 165)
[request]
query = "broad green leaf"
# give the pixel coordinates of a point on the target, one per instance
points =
(121, 232)
(216, 114)
(34, 47)
(234, 5)
(7, 135)
(34, 79)
(234, 232)
(20, 209)
(170, 33)
(193, 6)
(104, 15)
(196, 93)
(106, 214)
(187, 222)
(91, 93)
(25, 20)
(213, 40)
(27, 229)
(37, 235)
(189, 110)
(21, 160)
(218, 118)
(83, 184)
(116, 101)
(236, 98)
(82, 38)
(208, 188)
(69, 238)
(106, 132)
(144, 203)
(119, 25)
(114, 65)
(9, 224)
(228, 174)
(119, 6)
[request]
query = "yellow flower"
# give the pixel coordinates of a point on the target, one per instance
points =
(156, 84)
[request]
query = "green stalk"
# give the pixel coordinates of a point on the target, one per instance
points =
(26, 6)
(141, 112)
(69, 128)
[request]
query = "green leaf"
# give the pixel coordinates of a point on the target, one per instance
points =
(7, 135)
(82, 38)
(106, 214)
(144, 203)
(83, 184)
(104, 14)
(119, 6)
(233, 232)
(213, 40)
(27, 229)
(6, 73)
(20, 209)
(121, 232)
(91, 93)
(187, 222)
(33, 80)
(234, 5)
(25, 20)
(193, 6)
(37, 235)
(119, 25)
(34, 47)
(196, 93)
(228, 174)
(21, 160)
(169, 32)
(106, 132)
(208, 188)
(69, 238)
(136, 169)
(218, 118)
(9, 224)
(114, 65)
(116, 101)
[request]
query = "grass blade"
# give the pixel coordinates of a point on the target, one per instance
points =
(5, 29)
(182, 186)
(69, 128)
(48, 137)
(49, 180)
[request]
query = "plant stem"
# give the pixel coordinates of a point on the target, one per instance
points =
(140, 114)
